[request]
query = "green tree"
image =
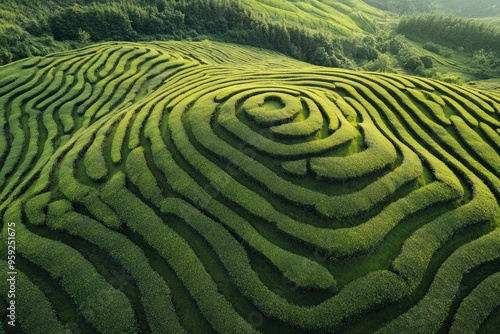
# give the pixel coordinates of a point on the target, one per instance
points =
(384, 63)
(83, 36)
(427, 61)
(5, 57)
(320, 57)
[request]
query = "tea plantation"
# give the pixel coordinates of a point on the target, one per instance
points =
(183, 187)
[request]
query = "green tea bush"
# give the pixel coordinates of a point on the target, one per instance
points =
(106, 308)
(178, 254)
(491, 134)
(379, 154)
(305, 128)
(476, 144)
(288, 108)
(155, 294)
(296, 167)
(36, 208)
(477, 306)
(95, 163)
(34, 311)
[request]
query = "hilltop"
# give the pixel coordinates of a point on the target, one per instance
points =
(203, 187)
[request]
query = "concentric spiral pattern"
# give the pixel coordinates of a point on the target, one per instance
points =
(175, 187)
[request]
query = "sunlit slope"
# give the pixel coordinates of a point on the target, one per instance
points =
(342, 17)
(494, 20)
(476, 8)
(195, 187)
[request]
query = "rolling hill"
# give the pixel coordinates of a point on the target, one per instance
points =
(343, 17)
(202, 187)
(472, 9)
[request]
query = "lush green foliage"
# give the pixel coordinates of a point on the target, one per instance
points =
(451, 31)
(202, 187)
(61, 24)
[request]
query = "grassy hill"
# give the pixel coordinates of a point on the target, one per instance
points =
(493, 20)
(335, 33)
(472, 9)
(31, 28)
(342, 17)
(201, 187)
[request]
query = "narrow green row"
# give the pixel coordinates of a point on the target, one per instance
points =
(106, 308)
(155, 294)
(142, 220)
(78, 192)
(445, 286)
(284, 109)
(477, 306)
(34, 313)
(379, 154)
(304, 128)
(474, 143)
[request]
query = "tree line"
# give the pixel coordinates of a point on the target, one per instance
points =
(62, 24)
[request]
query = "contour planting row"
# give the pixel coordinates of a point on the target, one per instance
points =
(106, 308)
(206, 172)
(33, 310)
(67, 94)
(242, 275)
(175, 129)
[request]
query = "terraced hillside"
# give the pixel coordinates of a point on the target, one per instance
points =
(343, 17)
(194, 187)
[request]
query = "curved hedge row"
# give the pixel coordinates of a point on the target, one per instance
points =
(102, 305)
(244, 192)
(155, 294)
(33, 311)
(477, 306)
(379, 154)
(445, 286)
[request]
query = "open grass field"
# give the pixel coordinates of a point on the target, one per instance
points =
(183, 187)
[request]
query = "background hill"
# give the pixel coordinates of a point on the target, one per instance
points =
(35, 28)
(343, 17)
(335, 33)
(472, 9)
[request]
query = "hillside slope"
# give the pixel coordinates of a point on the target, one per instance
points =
(343, 17)
(31, 28)
(178, 187)
(473, 9)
